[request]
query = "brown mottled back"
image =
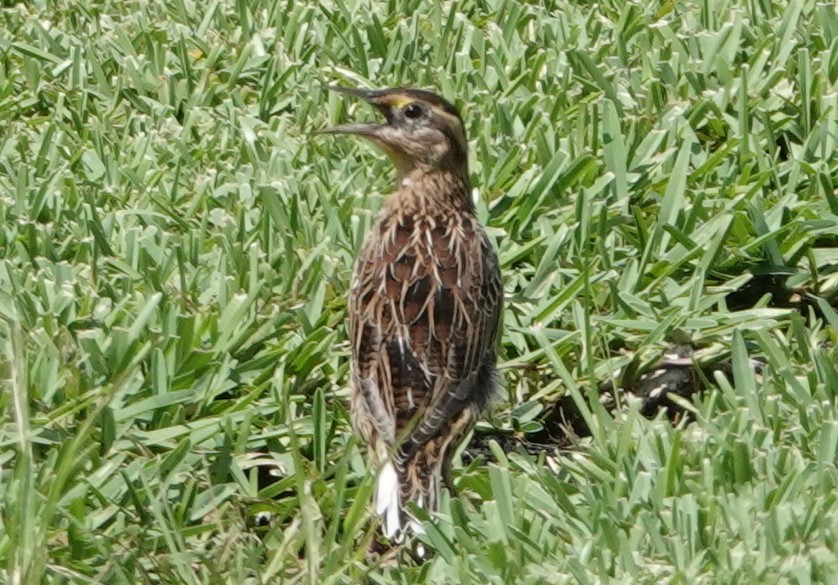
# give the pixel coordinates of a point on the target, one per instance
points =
(425, 306)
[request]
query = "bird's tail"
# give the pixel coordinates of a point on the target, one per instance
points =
(388, 503)
(416, 480)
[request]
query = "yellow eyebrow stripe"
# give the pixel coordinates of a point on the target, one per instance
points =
(397, 100)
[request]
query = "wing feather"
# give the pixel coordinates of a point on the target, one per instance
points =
(425, 306)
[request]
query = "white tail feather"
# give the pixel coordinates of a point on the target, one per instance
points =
(387, 500)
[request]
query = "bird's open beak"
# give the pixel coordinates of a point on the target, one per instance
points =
(373, 97)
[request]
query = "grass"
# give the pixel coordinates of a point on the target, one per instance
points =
(175, 250)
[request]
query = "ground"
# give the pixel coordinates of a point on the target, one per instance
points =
(176, 246)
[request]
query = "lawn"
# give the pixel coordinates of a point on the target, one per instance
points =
(176, 248)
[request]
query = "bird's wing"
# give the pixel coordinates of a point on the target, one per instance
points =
(466, 321)
(425, 308)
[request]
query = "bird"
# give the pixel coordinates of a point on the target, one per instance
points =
(425, 306)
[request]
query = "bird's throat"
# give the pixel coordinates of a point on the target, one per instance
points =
(422, 190)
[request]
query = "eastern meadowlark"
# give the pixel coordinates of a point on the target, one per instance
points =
(424, 306)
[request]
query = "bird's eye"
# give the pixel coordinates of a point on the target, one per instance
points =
(413, 111)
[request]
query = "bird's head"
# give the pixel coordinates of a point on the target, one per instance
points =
(421, 129)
